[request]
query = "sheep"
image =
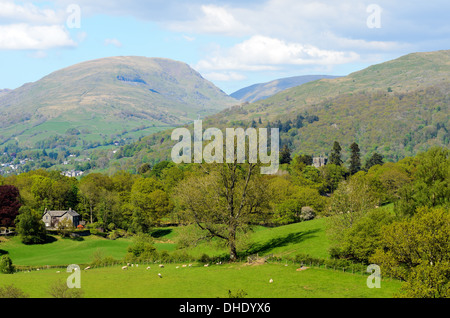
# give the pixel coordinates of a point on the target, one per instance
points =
(206, 265)
(161, 265)
(271, 280)
(125, 267)
(148, 267)
(87, 268)
(190, 265)
(184, 265)
(159, 274)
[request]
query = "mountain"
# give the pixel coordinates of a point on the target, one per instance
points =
(4, 91)
(260, 91)
(396, 108)
(109, 98)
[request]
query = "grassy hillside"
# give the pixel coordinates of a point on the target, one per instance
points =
(304, 238)
(196, 281)
(109, 97)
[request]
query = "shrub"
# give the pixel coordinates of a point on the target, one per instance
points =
(11, 291)
(6, 265)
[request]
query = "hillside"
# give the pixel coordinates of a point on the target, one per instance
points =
(260, 91)
(396, 108)
(107, 98)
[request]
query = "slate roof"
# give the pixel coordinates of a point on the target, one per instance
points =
(62, 212)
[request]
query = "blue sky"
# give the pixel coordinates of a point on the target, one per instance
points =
(231, 43)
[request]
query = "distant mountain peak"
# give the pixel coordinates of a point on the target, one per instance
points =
(261, 91)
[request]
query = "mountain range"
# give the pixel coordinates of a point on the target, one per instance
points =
(260, 91)
(396, 108)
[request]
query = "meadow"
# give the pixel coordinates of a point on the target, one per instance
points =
(197, 281)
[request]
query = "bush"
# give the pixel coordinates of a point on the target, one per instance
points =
(6, 265)
(11, 291)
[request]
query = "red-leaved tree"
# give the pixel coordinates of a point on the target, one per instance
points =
(9, 205)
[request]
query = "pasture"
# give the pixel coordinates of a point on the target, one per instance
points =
(207, 282)
(196, 281)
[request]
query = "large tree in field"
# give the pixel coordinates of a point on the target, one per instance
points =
(9, 205)
(224, 201)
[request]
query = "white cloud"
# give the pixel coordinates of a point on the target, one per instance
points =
(28, 27)
(267, 53)
(27, 37)
(214, 19)
(11, 12)
(114, 42)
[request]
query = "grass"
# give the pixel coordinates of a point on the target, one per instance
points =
(196, 281)
(207, 282)
(289, 240)
(64, 251)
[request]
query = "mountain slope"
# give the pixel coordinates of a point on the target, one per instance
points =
(396, 108)
(107, 96)
(260, 91)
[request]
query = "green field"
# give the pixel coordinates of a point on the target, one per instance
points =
(206, 282)
(196, 281)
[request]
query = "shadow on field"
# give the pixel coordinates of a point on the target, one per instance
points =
(291, 238)
(161, 232)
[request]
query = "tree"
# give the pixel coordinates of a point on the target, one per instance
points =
(355, 159)
(6, 265)
(431, 183)
(9, 204)
(224, 201)
(349, 203)
(30, 227)
(285, 155)
(375, 159)
(417, 250)
(332, 174)
(335, 156)
(149, 202)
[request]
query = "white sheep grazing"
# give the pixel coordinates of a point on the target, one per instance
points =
(87, 268)
(58, 272)
(125, 267)
(190, 265)
(159, 274)
(206, 265)
(183, 265)
(148, 267)
(271, 280)
(161, 265)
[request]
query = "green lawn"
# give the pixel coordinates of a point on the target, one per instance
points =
(64, 251)
(207, 282)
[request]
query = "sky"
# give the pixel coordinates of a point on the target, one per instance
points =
(232, 43)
